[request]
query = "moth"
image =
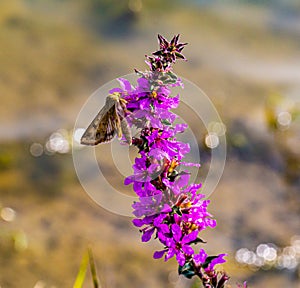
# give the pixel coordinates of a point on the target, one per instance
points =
(109, 122)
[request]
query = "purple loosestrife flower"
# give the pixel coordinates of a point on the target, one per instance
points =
(145, 170)
(164, 139)
(179, 244)
(203, 267)
(169, 208)
(201, 259)
(151, 106)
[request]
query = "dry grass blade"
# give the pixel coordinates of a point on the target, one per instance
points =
(93, 269)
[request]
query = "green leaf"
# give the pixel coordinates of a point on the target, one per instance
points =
(170, 81)
(208, 260)
(187, 270)
(176, 210)
(163, 77)
(172, 75)
(197, 240)
(82, 271)
(166, 122)
(86, 259)
(152, 107)
(178, 55)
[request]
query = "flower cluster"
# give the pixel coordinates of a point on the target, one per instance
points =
(170, 209)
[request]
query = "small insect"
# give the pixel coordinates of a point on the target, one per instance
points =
(109, 122)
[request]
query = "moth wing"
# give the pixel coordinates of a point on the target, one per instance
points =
(102, 129)
(118, 123)
(126, 131)
(107, 129)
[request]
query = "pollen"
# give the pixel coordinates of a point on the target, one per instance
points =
(154, 94)
(186, 205)
(173, 165)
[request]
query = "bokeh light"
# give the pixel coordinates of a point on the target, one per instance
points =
(217, 128)
(284, 120)
(269, 256)
(58, 142)
(212, 140)
(8, 214)
(36, 149)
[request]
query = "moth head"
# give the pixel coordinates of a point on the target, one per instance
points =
(115, 96)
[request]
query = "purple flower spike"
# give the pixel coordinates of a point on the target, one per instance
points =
(169, 209)
(179, 245)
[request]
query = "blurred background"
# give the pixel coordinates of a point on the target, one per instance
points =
(55, 53)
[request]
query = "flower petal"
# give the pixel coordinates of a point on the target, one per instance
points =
(147, 235)
(159, 254)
